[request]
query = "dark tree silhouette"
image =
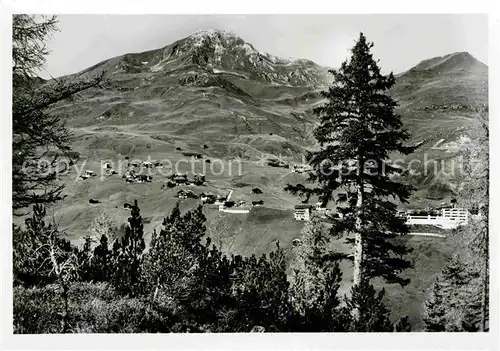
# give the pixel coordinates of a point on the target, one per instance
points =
(36, 133)
(128, 255)
(358, 131)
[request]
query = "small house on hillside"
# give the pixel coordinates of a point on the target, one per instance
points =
(180, 180)
(320, 207)
(208, 198)
(402, 214)
(277, 163)
(219, 200)
(256, 191)
(182, 194)
(300, 168)
(141, 178)
(302, 212)
(199, 178)
(186, 194)
(129, 174)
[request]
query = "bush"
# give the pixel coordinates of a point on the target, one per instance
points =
(94, 308)
(35, 311)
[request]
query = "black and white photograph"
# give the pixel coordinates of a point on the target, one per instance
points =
(249, 173)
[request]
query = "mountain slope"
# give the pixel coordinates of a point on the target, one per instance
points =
(456, 82)
(438, 99)
(218, 52)
(211, 85)
(214, 88)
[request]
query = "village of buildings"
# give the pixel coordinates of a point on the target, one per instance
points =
(445, 216)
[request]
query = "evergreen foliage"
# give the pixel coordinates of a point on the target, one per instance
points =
(262, 293)
(101, 261)
(128, 255)
(36, 133)
(372, 314)
(435, 311)
(358, 130)
(316, 279)
(84, 256)
(474, 191)
(454, 304)
(184, 283)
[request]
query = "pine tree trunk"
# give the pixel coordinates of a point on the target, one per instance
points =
(358, 258)
(64, 315)
(156, 289)
(358, 241)
(358, 249)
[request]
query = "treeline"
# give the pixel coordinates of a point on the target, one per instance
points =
(459, 297)
(183, 283)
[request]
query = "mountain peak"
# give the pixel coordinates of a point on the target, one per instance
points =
(222, 37)
(213, 32)
(220, 52)
(451, 62)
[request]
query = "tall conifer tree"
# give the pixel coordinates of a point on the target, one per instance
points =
(37, 133)
(128, 254)
(434, 309)
(316, 280)
(358, 131)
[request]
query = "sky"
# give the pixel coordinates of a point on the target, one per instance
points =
(401, 41)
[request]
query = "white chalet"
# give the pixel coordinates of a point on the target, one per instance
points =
(302, 212)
